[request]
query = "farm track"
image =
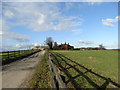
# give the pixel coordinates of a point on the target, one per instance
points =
(67, 64)
(17, 74)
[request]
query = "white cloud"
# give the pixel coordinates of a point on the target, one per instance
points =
(6, 36)
(36, 16)
(101, 0)
(36, 44)
(41, 19)
(39, 16)
(94, 2)
(1, 32)
(20, 46)
(8, 13)
(60, 0)
(16, 47)
(0, 26)
(76, 31)
(28, 46)
(15, 36)
(3, 25)
(112, 46)
(85, 42)
(110, 21)
(69, 5)
(33, 0)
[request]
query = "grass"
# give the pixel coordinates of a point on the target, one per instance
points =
(104, 63)
(41, 77)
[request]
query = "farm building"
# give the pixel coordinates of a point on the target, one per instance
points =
(65, 47)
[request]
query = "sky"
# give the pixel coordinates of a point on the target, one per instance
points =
(81, 24)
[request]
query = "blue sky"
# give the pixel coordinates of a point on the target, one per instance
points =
(81, 24)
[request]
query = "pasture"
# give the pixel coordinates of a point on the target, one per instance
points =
(102, 62)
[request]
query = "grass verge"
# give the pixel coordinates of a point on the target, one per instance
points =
(41, 77)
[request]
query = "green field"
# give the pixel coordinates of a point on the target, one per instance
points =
(104, 63)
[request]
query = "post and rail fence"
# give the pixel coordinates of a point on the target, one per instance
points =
(10, 56)
(56, 79)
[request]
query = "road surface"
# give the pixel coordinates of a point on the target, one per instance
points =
(17, 74)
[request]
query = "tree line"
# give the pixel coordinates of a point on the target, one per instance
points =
(53, 45)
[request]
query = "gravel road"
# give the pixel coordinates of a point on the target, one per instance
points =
(17, 74)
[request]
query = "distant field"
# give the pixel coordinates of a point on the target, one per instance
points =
(103, 62)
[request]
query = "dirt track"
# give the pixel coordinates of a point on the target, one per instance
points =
(16, 74)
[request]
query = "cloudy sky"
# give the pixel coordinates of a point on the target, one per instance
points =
(82, 24)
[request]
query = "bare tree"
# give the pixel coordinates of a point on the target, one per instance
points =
(101, 47)
(55, 46)
(49, 42)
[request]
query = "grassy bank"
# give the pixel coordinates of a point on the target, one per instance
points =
(104, 63)
(41, 77)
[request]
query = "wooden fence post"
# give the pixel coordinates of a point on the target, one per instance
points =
(8, 55)
(23, 51)
(14, 54)
(19, 53)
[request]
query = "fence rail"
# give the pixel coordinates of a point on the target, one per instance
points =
(57, 81)
(10, 56)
